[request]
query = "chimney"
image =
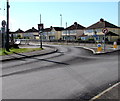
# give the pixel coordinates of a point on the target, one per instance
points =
(101, 20)
(33, 28)
(51, 27)
(75, 23)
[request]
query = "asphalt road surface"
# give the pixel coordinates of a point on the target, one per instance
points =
(71, 73)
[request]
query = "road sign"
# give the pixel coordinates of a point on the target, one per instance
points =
(99, 48)
(40, 27)
(115, 45)
(3, 23)
(105, 30)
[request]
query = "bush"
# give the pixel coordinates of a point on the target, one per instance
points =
(19, 36)
(91, 39)
(79, 39)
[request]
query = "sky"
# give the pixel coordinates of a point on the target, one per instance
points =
(25, 14)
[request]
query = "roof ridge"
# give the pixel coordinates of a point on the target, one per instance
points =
(102, 24)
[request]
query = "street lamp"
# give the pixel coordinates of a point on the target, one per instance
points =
(61, 19)
(66, 31)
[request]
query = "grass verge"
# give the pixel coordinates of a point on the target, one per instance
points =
(19, 50)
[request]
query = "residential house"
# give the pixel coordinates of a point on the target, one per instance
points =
(96, 31)
(32, 33)
(46, 33)
(73, 32)
(55, 33)
(18, 33)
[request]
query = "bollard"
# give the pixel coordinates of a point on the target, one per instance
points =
(99, 48)
(115, 45)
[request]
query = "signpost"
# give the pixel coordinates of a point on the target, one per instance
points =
(3, 33)
(95, 35)
(40, 28)
(105, 30)
(99, 49)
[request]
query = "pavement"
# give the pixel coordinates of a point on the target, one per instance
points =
(46, 50)
(111, 93)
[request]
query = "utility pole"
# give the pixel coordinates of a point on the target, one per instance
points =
(7, 34)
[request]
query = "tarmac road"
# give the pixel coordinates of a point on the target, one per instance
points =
(70, 73)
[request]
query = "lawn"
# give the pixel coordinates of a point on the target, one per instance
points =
(19, 50)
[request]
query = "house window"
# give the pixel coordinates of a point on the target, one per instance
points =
(44, 33)
(72, 31)
(64, 32)
(98, 30)
(52, 32)
(89, 31)
(52, 37)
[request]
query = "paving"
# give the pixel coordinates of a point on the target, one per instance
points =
(110, 93)
(45, 51)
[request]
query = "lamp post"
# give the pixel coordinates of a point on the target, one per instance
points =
(40, 18)
(61, 19)
(66, 32)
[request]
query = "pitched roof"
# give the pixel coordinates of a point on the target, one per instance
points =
(111, 34)
(58, 28)
(19, 31)
(32, 30)
(102, 24)
(11, 32)
(47, 30)
(75, 26)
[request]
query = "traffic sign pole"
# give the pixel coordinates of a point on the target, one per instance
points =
(40, 28)
(104, 31)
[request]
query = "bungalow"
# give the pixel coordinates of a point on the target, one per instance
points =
(73, 32)
(96, 31)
